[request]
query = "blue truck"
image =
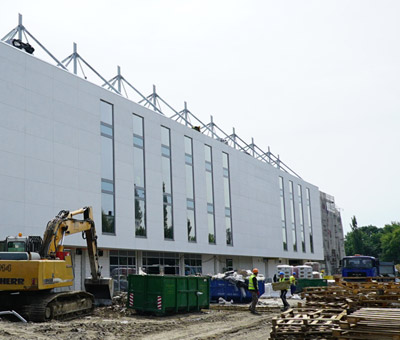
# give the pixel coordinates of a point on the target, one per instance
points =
(361, 266)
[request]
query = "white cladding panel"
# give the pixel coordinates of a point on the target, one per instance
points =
(50, 159)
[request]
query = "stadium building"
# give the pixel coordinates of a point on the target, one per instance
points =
(169, 196)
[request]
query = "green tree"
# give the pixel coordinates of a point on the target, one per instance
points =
(390, 242)
(353, 241)
(371, 240)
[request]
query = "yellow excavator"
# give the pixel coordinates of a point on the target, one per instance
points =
(35, 273)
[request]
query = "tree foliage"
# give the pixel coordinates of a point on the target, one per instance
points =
(383, 243)
(390, 242)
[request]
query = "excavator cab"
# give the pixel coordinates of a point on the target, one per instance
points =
(21, 244)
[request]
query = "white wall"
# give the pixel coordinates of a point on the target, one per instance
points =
(50, 160)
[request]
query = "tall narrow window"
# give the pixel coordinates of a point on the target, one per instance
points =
(107, 168)
(283, 214)
(210, 194)
(301, 218)
(310, 229)
(139, 177)
(167, 183)
(292, 216)
(227, 194)
(190, 207)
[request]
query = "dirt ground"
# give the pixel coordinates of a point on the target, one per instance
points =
(116, 322)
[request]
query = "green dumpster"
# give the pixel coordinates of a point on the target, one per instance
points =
(304, 283)
(168, 294)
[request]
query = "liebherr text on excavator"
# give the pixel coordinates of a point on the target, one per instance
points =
(31, 268)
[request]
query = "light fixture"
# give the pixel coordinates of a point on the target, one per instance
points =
(21, 45)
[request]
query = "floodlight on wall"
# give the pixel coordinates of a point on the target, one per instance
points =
(22, 46)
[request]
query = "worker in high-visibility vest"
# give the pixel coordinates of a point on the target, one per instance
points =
(253, 288)
(292, 281)
(283, 291)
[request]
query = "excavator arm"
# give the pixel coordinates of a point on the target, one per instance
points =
(65, 224)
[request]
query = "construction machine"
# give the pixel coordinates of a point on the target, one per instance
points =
(35, 273)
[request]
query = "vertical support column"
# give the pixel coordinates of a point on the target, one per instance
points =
(74, 55)
(212, 126)
(154, 97)
(186, 115)
(269, 155)
(20, 27)
(139, 260)
(252, 145)
(234, 138)
(119, 78)
(181, 264)
(215, 264)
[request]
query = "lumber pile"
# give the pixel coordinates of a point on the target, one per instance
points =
(370, 324)
(328, 315)
(305, 324)
(356, 294)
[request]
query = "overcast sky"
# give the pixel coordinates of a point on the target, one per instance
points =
(317, 81)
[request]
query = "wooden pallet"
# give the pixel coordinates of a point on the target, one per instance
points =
(299, 323)
(370, 324)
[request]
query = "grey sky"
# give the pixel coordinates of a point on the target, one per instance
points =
(317, 81)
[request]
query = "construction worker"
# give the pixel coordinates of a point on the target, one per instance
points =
(292, 281)
(283, 291)
(253, 288)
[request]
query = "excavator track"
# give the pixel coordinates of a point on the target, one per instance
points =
(45, 306)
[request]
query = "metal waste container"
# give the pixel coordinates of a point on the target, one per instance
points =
(164, 294)
(230, 291)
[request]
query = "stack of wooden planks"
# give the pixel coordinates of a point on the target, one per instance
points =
(306, 324)
(370, 324)
(356, 294)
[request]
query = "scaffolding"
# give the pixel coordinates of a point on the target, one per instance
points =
(18, 37)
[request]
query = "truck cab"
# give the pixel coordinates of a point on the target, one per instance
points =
(359, 266)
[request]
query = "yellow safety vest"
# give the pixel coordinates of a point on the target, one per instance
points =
(251, 286)
(282, 279)
(292, 280)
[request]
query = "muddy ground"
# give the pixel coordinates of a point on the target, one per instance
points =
(116, 322)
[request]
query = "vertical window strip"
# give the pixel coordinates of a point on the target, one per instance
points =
(301, 218)
(190, 202)
(167, 183)
(107, 168)
(283, 214)
(210, 194)
(227, 193)
(310, 229)
(292, 216)
(139, 180)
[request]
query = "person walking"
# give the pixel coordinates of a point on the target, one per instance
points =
(253, 288)
(293, 282)
(283, 291)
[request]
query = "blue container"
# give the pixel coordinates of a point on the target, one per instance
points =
(229, 291)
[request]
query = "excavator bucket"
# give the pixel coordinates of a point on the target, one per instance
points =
(102, 290)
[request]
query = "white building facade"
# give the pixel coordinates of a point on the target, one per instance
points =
(165, 197)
